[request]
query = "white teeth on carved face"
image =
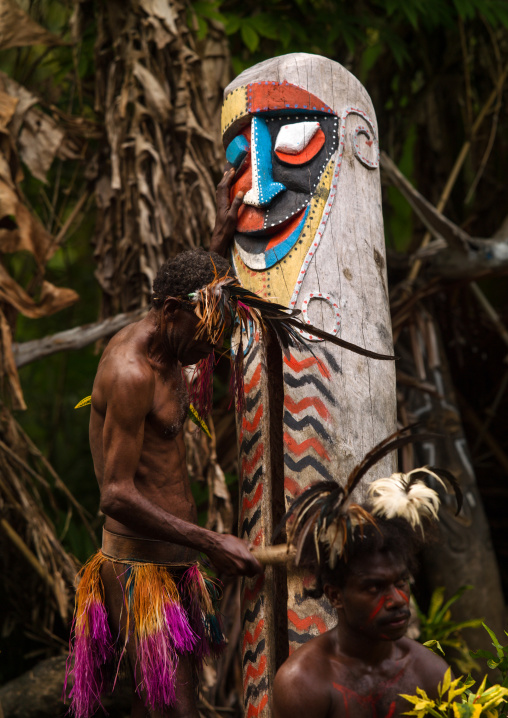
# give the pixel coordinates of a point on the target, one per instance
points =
(293, 139)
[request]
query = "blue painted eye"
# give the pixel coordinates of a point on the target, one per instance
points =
(237, 150)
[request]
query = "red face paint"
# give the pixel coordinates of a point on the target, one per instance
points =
(403, 595)
(378, 607)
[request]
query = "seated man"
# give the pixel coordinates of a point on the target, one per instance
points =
(359, 668)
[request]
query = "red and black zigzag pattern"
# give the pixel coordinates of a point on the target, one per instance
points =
(309, 407)
(255, 652)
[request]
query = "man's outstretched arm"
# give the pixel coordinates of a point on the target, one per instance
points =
(227, 214)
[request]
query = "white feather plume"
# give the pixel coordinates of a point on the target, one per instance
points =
(398, 496)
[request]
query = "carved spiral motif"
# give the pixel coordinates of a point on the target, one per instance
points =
(370, 142)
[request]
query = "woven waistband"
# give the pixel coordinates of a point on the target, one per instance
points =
(142, 550)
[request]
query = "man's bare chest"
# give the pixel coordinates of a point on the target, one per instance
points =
(170, 407)
(372, 696)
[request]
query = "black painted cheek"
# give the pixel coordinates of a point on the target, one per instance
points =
(297, 179)
(302, 179)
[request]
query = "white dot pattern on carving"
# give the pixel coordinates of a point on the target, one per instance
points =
(332, 303)
(333, 189)
(293, 139)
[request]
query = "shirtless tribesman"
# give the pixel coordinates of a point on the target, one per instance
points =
(139, 404)
(359, 668)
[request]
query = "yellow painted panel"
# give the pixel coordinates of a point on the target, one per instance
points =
(234, 107)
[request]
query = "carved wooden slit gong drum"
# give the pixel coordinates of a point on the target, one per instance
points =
(302, 133)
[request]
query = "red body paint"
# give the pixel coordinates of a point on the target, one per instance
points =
(371, 701)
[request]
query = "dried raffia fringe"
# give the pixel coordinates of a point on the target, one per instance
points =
(225, 299)
(201, 386)
(172, 616)
(236, 382)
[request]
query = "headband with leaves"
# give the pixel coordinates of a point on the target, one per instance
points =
(225, 300)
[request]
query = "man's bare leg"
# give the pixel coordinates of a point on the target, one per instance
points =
(113, 577)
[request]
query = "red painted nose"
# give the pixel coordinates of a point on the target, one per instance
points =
(396, 598)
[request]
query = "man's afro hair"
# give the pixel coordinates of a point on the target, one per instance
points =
(395, 537)
(186, 273)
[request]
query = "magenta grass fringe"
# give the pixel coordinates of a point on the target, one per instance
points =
(191, 628)
(91, 655)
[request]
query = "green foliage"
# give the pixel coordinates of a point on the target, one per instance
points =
(489, 700)
(440, 633)
(484, 702)
(399, 225)
(497, 661)
(330, 27)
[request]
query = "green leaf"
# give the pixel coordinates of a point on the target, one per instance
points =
(437, 598)
(481, 653)
(208, 10)
(202, 28)
(455, 597)
(433, 644)
(232, 24)
(249, 36)
(285, 36)
(499, 648)
(266, 25)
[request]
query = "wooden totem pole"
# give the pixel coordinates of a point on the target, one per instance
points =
(301, 131)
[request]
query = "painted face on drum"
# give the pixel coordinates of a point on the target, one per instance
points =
(281, 151)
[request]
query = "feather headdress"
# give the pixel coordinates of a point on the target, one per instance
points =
(409, 497)
(224, 302)
(225, 297)
(326, 511)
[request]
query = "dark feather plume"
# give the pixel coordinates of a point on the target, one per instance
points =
(385, 447)
(450, 478)
(282, 320)
(326, 504)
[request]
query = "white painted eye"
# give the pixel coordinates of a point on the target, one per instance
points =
(293, 139)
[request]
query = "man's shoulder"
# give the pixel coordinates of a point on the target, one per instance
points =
(301, 679)
(124, 371)
(311, 657)
(426, 664)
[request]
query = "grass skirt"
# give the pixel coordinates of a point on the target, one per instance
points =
(170, 612)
